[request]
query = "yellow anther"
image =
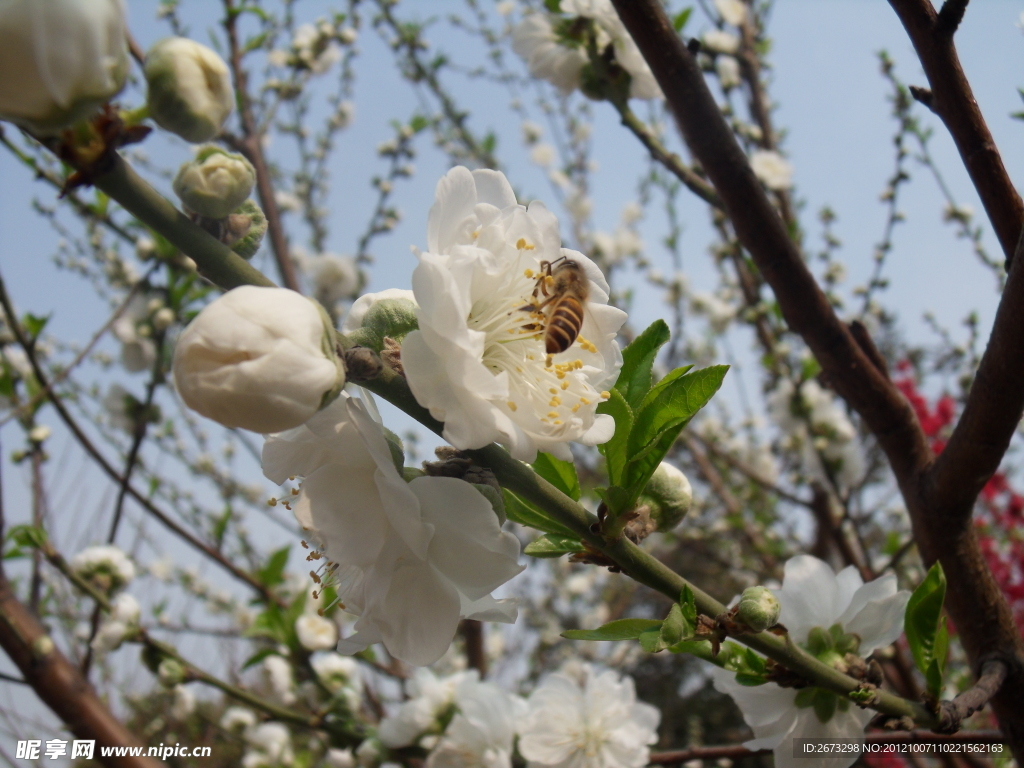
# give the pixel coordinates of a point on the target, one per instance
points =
(561, 375)
(271, 502)
(557, 422)
(575, 407)
(511, 405)
(556, 400)
(295, 491)
(584, 401)
(521, 243)
(528, 273)
(565, 385)
(548, 361)
(552, 390)
(553, 415)
(605, 395)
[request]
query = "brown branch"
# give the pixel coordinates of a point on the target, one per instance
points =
(472, 632)
(974, 600)
(952, 100)
(59, 684)
(249, 145)
(953, 713)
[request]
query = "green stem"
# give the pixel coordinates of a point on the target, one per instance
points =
(225, 268)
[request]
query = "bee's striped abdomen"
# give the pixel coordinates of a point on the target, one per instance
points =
(564, 325)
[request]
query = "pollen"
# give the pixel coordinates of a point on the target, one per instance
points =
(553, 415)
(528, 273)
(295, 491)
(555, 401)
(565, 385)
(511, 405)
(575, 407)
(561, 375)
(605, 395)
(584, 401)
(548, 361)
(522, 245)
(271, 502)
(558, 422)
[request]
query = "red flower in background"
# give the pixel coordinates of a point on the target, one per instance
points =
(1001, 508)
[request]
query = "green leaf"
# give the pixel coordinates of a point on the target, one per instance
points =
(621, 629)
(652, 641)
(672, 405)
(33, 324)
(749, 680)
(616, 499)
(674, 629)
(688, 605)
(273, 572)
(825, 704)
(679, 22)
(257, 657)
(922, 617)
(27, 536)
(552, 545)
(614, 451)
(699, 648)
(561, 474)
(522, 512)
(638, 360)
(938, 665)
(640, 470)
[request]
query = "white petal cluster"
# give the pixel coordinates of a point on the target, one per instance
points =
(815, 425)
(277, 673)
(337, 673)
(410, 559)
(560, 61)
(189, 88)
(596, 724)
(237, 718)
(215, 182)
(472, 362)
(335, 278)
(257, 358)
(270, 745)
(482, 731)
(118, 625)
(60, 60)
(720, 41)
(813, 595)
(547, 58)
(774, 171)
(429, 700)
(105, 566)
(732, 11)
(728, 70)
(133, 328)
(316, 633)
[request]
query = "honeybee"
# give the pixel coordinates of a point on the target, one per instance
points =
(564, 287)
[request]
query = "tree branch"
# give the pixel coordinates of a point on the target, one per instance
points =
(953, 101)
(59, 684)
(953, 713)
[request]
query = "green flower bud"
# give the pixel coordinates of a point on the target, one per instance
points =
(245, 229)
(190, 91)
(215, 182)
(668, 495)
(170, 672)
(375, 316)
(758, 608)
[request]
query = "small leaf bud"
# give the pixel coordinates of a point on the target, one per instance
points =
(189, 91)
(758, 608)
(214, 183)
(170, 672)
(375, 316)
(245, 229)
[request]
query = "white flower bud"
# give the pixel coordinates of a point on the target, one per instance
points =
(60, 59)
(170, 673)
(316, 633)
(758, 608)
(257, 358)
(245, 229)
(669, 496)
(163, 319)
(215, 182)
(391, 312)
(190, 91)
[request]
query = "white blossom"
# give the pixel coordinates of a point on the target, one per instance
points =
(534, 40)
(728, 70)
(542, 155)
(278, 675)
(812, 595)
(472, 362)
(411, 558)
(106, 566)
(237, 718)
(271, 746)
(718, 312)
(138, 352)
(483, 729)
(189, 88)
(719, 41)
(336, 671)
(642, 83)
(733, 11)
(339, 758)
(183, 702)
(118, 625)
(598, 724)
(258, 358)
(316, 633)
(335, 278)
(816, 426)
(117, 403)
(429, 699)
(774, 171)
(61, 60)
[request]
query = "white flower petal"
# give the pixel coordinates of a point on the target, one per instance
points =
(809, 596)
